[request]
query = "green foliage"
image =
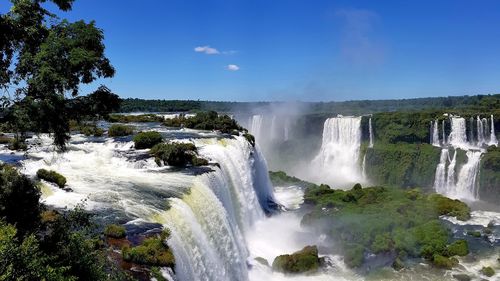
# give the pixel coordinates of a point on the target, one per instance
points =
(17, 144)
(280, 178)
(135, 118)
(152, 251)
(303, 261)
(118, 130)
(147, 139)
(5, 140)
(156, 273)
(488, 271)
(209, 120)
(52, 57)
(19, 200)
(91, 130)
(458, 248)
(177, 154)
(115, 231)
(444, 262)
(476, 234)
(250, 138)
(489, 180)
(51, 176)
(378, 220)
(405, 165)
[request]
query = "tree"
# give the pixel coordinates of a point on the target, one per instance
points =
(46, 59)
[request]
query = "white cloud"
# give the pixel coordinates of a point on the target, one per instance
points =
(206, 50)
(232, 67)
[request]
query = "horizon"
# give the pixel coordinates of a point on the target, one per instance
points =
(294, 50)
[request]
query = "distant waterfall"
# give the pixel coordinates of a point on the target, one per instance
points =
(371, 132)
(480, 131)
(466, 186)
(256, 126)
(493, 136)
(274, 129)
(209, 223)
(444, 135)
(286, 129)
(440, 181)
(435, 133)
(339, 154)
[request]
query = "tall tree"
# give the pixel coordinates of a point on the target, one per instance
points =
(46, 59)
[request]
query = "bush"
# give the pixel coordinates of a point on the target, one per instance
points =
(134, 118)
(115, 231)
(303, 261)
(177, 154)
(117, 130)
(5, 140)
(205, 120)
(147, 139)
(91, 130)
(52, 176)
(444, 262)
(17, 144)
(152, 251)
(458, 248)
(19, 200)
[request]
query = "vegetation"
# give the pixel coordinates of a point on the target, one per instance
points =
(386, 220)
(488, 271)
(177, 154)
(250, 138)
(120, 118)
(152, 251)
(118, 130)
(51, 176)
(115, 231)
(280, 178)
(405, 165)
(303, 261)
(90, 130)
(147, 139)
(209, 120)
(45, 58)
(489, 181)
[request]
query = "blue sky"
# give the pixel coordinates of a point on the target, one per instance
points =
(298, 50)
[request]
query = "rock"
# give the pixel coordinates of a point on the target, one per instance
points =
(488, 271)
(303, 261)
(262, 261)
(462, 277)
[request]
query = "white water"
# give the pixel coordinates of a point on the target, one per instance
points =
(256, 126)
(337, 160)
(370, 129)
(493, 137)
(458, 137)
(435, 133)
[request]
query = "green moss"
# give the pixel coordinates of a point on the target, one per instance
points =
(152, 251)
(198, 161)
(51, 176)
(476, 234)
(118, 130)
(353, 255)
(458, 248)
(147, 139)
(444, 262)
(115, 231)
(488, 271)
(303, 261)
(450, 207)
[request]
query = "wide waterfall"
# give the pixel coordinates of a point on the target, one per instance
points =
(458, 137)
(338, 158)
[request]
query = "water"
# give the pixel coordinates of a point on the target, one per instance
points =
(435, 133)
(338, 159)
(370, 129)
(256, 126)
(493, 137)
(458, 137)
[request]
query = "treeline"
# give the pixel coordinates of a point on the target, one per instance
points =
(355, 107)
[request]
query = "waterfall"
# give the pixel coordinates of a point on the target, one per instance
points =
(458, 137)
(256, 126)
(493, 137)
(274, 128)
(371, 132)
(286, 129)
(450, 178)
(444, 135)
(435, 133)
(471, 130)
(466, 187)
(480, 131)
(339, 153)
(363, 166)
(209, 223)
(440, 179)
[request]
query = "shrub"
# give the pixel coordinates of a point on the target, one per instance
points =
(458, 248)
(17, 144)
(305, 260)
(134, 118)
(118, 130)
(91, 130)
(476, 234)
(444, 262)
(152, 251)
(177, 154)
(205, 120)
(51, 176)
(147, 139)
(5, 140)
(115, 231)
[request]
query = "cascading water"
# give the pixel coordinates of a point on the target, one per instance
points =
(444, 135)
(339, 153)
(435, 133)
(256, 126)
(458, 137)
(370, 129)
(493, 136)
(440, 179)
(480, 131)
(466, 187)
